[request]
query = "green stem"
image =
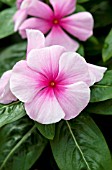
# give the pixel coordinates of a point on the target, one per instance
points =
(17, 145)
(78, 146)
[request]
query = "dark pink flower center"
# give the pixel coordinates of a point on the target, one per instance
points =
(52, 84)
(56, 21)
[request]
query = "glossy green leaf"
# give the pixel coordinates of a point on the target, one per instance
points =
(107, 49)
(10, 55)
(79, 8)
(101, 11)
(103, 108)
(82, 1)
(9, 2)
(92, 46)
(20, 145)
(81, 50)
(79, 145)
(48, 131)
(102, 90)
(11, 112)
(6, 22)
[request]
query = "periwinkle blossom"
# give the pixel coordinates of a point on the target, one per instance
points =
(6, 95)
(18, 3)
(56, 21)
(21, 13)
(53, 83)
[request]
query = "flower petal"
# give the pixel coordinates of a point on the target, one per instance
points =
(80, 25)
(25, 83)
(73, 99)
(72, 68)
(5, 93)
(58, 37)
(45, 60)
(18, 3)
(45, 108)
(96, 73)
(64, 7)
(34, 23)
(25, 4)
(40, 9)
(19, 17)
(35, 39)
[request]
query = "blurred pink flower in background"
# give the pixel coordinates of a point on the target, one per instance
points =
(79, 25)
(53, 83)
(5, 94)
(18, 3)
(21, 14)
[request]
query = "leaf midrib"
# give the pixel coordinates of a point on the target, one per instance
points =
(77, 145)
(101, 85)
(17, 145)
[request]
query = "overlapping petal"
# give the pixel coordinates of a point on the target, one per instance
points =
(73, 99)
(35, 40)
(25, 4)
(21, 14)
(80, 25)
(64, 7)
(72, 68)
(6, 95)
(45, 60)
(25, 83)
(58, 37)
(40, 9)
(18, 3)
(96, 73)
(45, 108)
(34, 23)
(19, 17)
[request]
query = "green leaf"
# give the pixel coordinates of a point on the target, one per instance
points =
(6, 22)
(79, 145)
(81, 50)
(48, 131)
(11, 112)
(107, 49)
(20, 145)
(103, 108)
(9, 2)
(10, 55)
(102, 12)
(102, 90)
(79, 8)
(92, 46)
(82, 1)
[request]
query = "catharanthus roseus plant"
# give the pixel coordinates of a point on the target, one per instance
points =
(53, 80)
(50, 96)
(57, 21)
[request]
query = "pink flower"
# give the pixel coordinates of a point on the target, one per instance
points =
(21, 14)
(45, 19)
(5, 94)
(53, 84)
(18, 3)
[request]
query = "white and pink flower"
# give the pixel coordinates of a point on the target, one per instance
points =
(6, 95)
(22, 12)
(56, 22)
(53, 83)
